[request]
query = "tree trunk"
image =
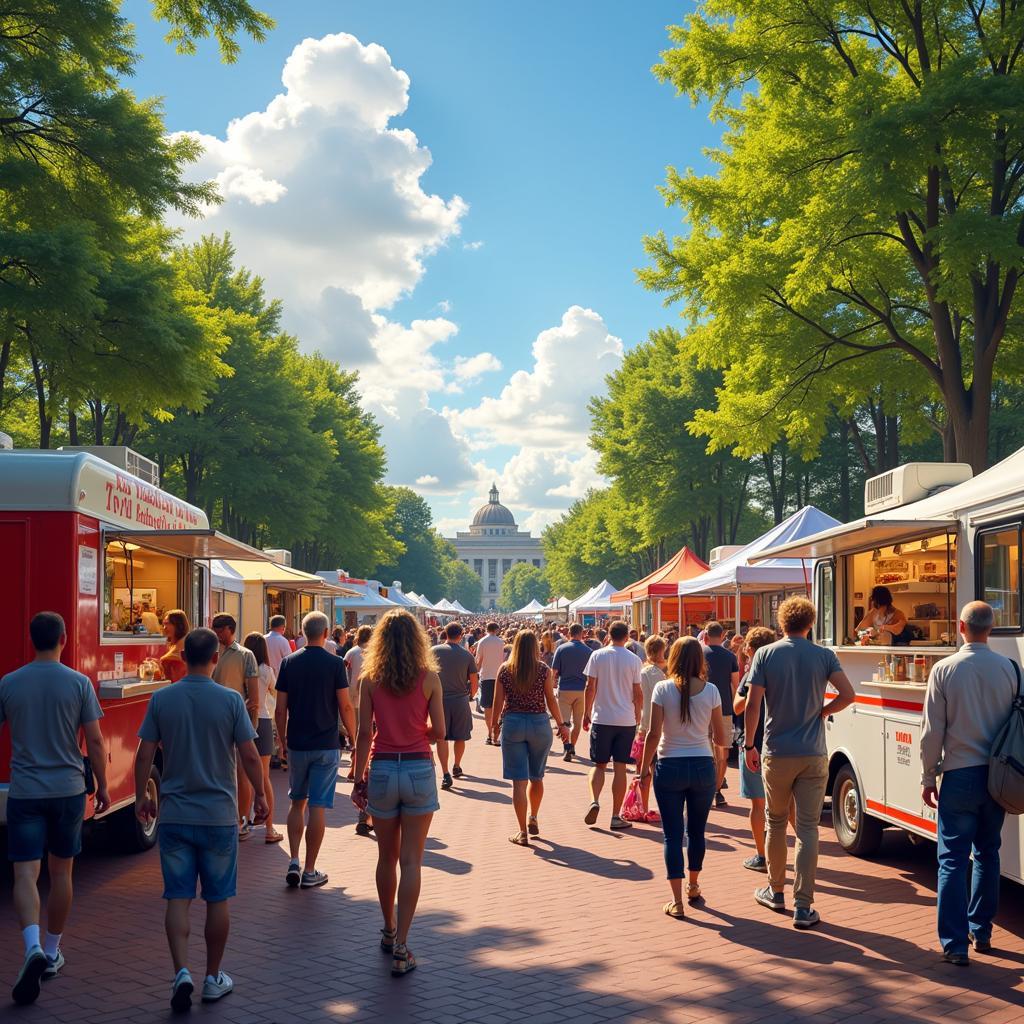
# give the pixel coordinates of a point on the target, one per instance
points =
(844, 472)
(72, 427)
(45, 420)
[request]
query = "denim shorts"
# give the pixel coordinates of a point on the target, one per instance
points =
(208, 853)
(525, 742)
(313, 775)
(401, 787)
(751, 783)
(38, 824)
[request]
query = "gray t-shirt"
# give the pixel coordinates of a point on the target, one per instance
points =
(457, 665)
(793, 672)
(44, 704)
(199, 723)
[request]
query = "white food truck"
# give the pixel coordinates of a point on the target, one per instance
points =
(937, 538)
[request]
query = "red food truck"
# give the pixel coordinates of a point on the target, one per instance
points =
(111, 552)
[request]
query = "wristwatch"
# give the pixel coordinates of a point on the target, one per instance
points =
(754, 747)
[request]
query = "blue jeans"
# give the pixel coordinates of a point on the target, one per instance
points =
(685, 790)
(969, 820)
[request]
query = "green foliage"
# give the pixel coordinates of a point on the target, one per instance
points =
(666, 480)
(191, 20)
(522, 584)
(281, 454)
(462, 584)
(420, 565)
(862, 231)
(585, 546)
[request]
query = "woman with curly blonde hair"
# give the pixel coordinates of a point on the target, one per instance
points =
(400, 694)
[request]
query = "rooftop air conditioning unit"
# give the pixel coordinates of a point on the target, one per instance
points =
(722, 552)
(122, 457)
(912, 482)
(282, 556)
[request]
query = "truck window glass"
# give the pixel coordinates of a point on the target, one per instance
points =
(999, 582)
(921, 576)
(139, 586)
(826, 626)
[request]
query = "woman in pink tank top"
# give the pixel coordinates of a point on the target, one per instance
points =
(400, 694)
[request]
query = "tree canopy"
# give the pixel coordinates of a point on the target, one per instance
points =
(863, 230)
(522, 584)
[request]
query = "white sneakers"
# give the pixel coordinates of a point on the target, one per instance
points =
(216, 988)
(213, 989)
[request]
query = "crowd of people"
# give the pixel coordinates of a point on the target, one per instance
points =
(670, 707)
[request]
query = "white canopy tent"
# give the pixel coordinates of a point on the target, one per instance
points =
(597, 600)
(461, 608)
(445, 605)
(533, 608)
(737, 574)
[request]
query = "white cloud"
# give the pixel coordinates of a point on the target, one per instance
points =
(474, 367)
(472, 246)
(444, 306)
(320, 193)
(429, 480)
(546, 406)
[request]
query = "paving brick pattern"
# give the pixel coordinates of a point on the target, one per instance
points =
(569, 931)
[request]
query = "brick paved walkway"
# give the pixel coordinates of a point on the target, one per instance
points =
(569, 931)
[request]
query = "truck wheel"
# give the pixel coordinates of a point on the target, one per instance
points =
(858, 832)
(133, 836)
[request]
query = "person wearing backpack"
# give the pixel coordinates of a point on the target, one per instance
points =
(970, 697)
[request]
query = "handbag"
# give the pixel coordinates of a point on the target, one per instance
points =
(1006, 763)
(633, 807)
(90, 778)
(636, 753)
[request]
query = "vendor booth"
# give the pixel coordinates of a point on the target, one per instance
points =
(533, 610)
(749, 590)
(227, 590)
(558, 609)
(654, 600)
(273, 589)
(365, 603)
(597, 605)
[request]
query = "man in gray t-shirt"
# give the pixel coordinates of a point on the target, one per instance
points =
(44, 705)
(199, 724)
(459, 674)
(790, 676)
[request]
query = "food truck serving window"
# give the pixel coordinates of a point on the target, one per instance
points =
(920, 577)
(999, 578)
(140, 585)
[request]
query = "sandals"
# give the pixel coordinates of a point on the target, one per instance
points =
(676, 910)
(273, 837)
(519, 839)
(402, 961)
(693, 893)
(387, 940)
(531, 825)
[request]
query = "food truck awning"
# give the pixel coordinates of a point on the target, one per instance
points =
(190, 543)
(283, 577)
(860, 535)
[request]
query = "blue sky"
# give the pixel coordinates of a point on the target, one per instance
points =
(548, 136)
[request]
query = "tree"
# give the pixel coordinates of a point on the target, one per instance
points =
(666, 477)
(462, 584)
(582, 548)
(864, 227)
(522, 584)
(424, 553)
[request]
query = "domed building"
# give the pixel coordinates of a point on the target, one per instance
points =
(493, 544)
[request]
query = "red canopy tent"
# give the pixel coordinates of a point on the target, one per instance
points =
(655, 600)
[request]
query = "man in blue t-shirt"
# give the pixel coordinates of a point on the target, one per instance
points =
(199, 724)
(44, 704)
(569, 666)
(724, 672)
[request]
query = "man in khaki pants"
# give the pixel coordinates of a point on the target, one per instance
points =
(790, 676)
